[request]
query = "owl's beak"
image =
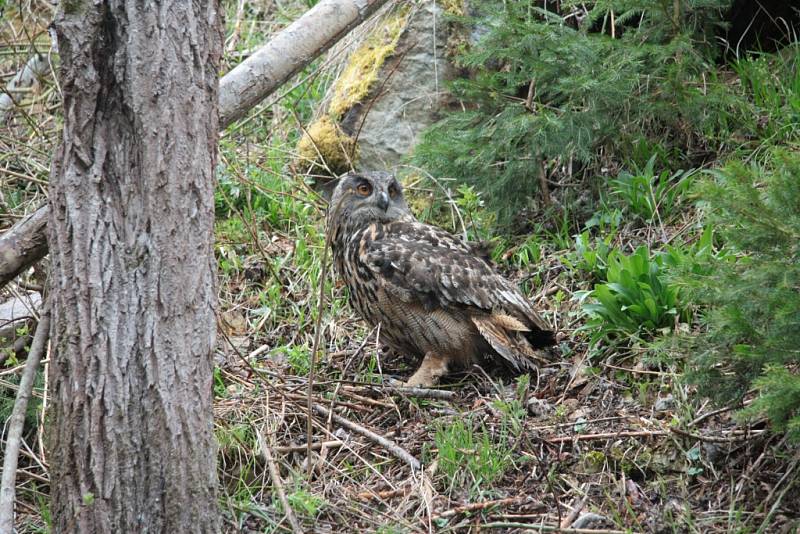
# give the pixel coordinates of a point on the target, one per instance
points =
(383, 201)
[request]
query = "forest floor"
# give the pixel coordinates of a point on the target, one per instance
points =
(610, 446)
(594, 442)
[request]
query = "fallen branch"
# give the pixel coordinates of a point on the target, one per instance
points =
(608, 435)
(422, 393)
(384, 495)
(548, 528)
(277, 482)
(17, 422)
(389, 445)
(734, 436)
(475, 506)
(332, 444)
(291, 50)
(23, 245)
(250, 82)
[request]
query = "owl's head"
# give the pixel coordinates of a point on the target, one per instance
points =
(362, 198)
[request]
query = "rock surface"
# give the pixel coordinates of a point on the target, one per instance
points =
(411, 98)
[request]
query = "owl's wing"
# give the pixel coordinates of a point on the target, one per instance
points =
(426, 265)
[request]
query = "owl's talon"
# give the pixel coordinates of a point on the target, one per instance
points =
(432, 368)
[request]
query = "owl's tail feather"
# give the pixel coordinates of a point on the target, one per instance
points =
(508, 337)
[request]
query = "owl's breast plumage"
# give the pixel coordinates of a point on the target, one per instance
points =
(407, 323)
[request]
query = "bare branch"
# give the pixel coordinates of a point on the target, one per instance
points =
(17, 421)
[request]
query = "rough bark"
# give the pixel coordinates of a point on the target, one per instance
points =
(23, 245)
(255, 79)
(132, 280)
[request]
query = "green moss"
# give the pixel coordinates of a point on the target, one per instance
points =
(365, 63)
(325, 145)
(593, 461)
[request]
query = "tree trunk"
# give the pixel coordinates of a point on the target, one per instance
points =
(132, 282)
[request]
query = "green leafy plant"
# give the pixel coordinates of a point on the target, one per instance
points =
(591, 256)
(301, 500)
(476, 218)
(529, 252)
(635, 299)
(649, 195)
(299, 358)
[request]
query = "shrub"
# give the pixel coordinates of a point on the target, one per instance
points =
(547, 90)
(752, 295)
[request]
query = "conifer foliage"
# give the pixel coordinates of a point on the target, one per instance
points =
(753, 293)
(554, 87)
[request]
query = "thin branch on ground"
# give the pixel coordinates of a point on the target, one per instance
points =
(7, 487)
(387, 444)
(277, 482)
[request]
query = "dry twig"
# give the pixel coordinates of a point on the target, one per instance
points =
(278, 483)
(422, 393)
(7, 488)
(387, 444)
(475, 506)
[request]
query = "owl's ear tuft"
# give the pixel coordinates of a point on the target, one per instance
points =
(326, 190)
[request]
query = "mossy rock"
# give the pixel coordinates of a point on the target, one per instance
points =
(593, 461)
(326, 149)
(359, 76)
(391, 87)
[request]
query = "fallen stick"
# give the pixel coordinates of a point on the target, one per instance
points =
(288, 52)
(383, 495)
(738, 436)
(422, 393)
(23, 245)
(573, 513)
(314, 446)
(278, 483)
(735, 436)
(17, 422)
(472, 507)
(607, 435)
(548, 528)
(396, 450)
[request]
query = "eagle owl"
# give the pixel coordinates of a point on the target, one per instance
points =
(433, 295)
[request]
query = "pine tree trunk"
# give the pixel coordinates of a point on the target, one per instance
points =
(132, 283)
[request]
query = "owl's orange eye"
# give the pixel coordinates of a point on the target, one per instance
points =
(364, 189)
(393, 191)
